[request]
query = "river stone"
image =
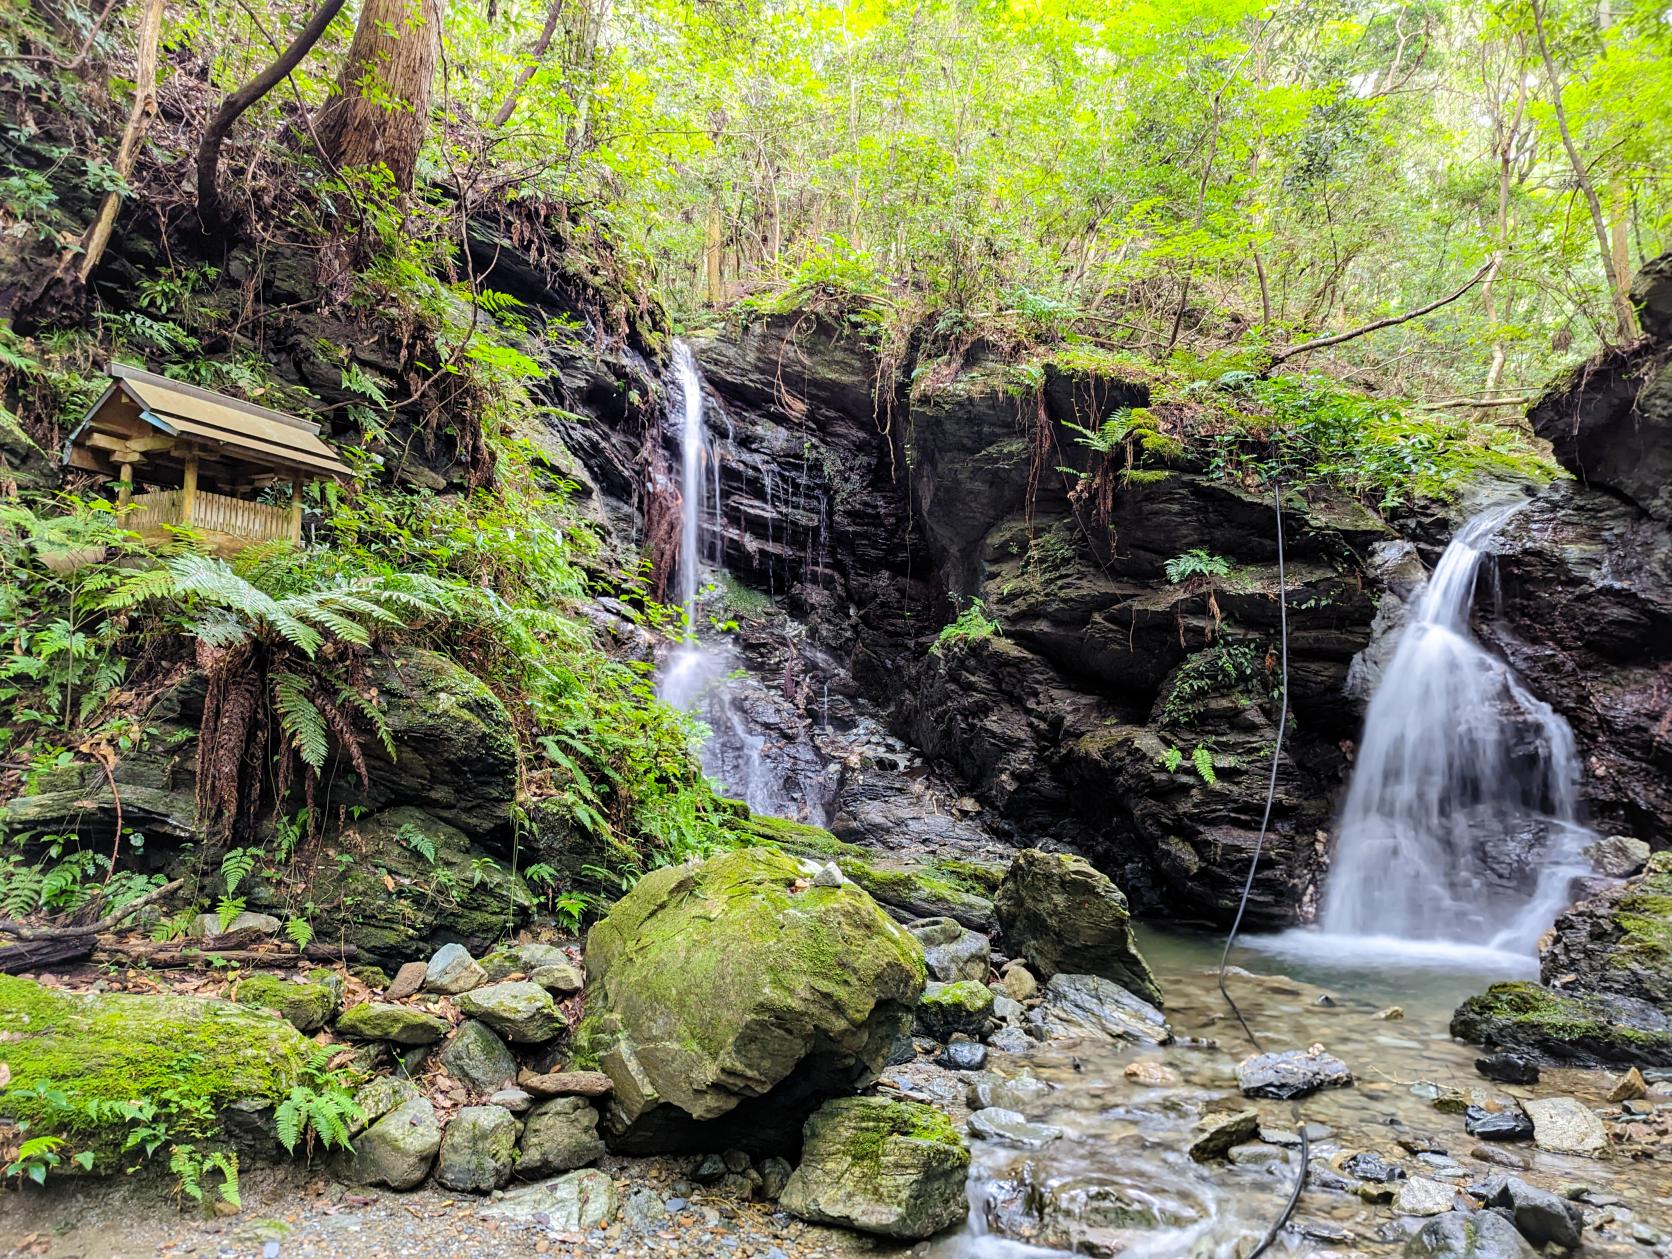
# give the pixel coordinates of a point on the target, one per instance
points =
(1018, 982)
(478, 1059)
(452, 970)
(951, 950)
(1089, 1005)
(1563, 1125)
(1468, 1235)
(1618, 856)
(1010, 1128)
(1291, 1073)
(1508, 1068)
(1369, 1165)
(1012, 1040)
(576, 1203)
(1509, 1124)
(398, 1024)
(892, 1168)
(477, 1149)
(559, 977)
(1218, 1130)
(1539, 1214)
(397, 1150)
(560, 1135)
(378, 1097)
(775, 1174)
(644, 1211)
(734, 986)
(566, 1083)
(513, 1099)
(407, 981)
(1152, 1074)
(1065, 917)
(521, 959)
(520, 1011)
(1417, 1195)
(962, 1054)
(306, 1007)
(1019, 1093)
(947, 1009)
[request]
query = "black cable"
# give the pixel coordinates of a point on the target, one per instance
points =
(1254, 865)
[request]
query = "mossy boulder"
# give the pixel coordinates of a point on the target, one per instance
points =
(1618, 942)
(306, 1006)
(519, 1010)
(879, 1166)
(1527, 1018)
(728, 998)
(402, 881)
(478, 1148)
(397, 1150)
(477, 1058)
(935, 887)
(947, 1009)
(1063, 916)
(120, 1047)
(398, 1024)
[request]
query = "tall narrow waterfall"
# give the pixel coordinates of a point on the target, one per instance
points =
(698, 675)
(1460, 830)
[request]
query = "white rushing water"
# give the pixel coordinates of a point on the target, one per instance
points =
(1460, 835)
(697, 675)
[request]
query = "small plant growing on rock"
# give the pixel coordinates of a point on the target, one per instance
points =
(1197, 565)
(970, 624)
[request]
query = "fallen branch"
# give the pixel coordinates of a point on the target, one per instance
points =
(1283, 355)
(110, 920)
(186, 953)
(1448, 404)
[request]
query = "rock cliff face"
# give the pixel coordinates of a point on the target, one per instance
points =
(1586, 571)
(1116, 712)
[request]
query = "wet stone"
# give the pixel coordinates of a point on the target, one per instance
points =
(1468, 1235)
(1368, 1165)
(1019, 1093)
(1418, 1195)
(963, 1054)
(1502, 1125)
(1152, 1074)
(1508, 1068)
(1217, 1131)
(1564, 1125)
(1012, 1040)
(1539, 1214)
(1008, 1127)
(1291, 1073)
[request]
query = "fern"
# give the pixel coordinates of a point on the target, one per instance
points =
(299, 931)
(308, 1113)
(1171, 759)
(1202, 759)
(419, 842)
(236, 867)
(301, 721)
(1196, 563)
(228, 908)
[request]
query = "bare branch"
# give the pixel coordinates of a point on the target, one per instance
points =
(1288, 352)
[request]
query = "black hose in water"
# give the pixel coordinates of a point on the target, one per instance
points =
(1254, 865)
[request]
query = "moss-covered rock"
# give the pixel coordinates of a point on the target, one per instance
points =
(934, 887)
(307, 1006)
(1066, 917)
(521, 1011)
(733, 990)
(947, 1009)
(1528, 1018)
(478, 1148)
(894, 1168)
(1620, 941)
(122, 1047)
(400, 882)
(398, 1024)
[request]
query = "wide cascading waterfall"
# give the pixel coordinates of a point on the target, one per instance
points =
(1460, 832)
(699, 676)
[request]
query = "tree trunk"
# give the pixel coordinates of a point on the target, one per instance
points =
(381, 109)
(139, 120)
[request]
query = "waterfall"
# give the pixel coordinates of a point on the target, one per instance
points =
(1460, 833)
(700, 675)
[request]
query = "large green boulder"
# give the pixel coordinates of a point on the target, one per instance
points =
(122, 1047)
(306, 1006)
(1064, 917)
(726, 999)
(398, 1024)
(879, 1166)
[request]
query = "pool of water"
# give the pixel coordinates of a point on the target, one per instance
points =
(1120, 1179)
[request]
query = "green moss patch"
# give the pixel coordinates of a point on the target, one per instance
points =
(1525, 1016)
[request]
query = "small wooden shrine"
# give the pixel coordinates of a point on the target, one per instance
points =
(181, 455)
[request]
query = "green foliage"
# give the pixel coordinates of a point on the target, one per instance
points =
(192, 1167)
(1196, 563)
(320, 1109)
(971, 623)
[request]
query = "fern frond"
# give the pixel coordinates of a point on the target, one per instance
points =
(301, 721)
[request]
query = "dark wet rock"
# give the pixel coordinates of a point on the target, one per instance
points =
(945, 1010)
(1497, 1156)
(962, 1054)
(1291, 1073)
(476, 1057)
(892, 1168)
(731, 991)
(1468, 1235)
(1588, 1029)
(1540, 1215)
(1008, 1127)
(1065, 917)
(1019, 1093)
(1368, 1165)
(1089, 1005)
(399, 1024)
(951, 950)
(1508, 1068)
(1502, 1125)
(477, 1149)
(520, 1011)
(1218, 1130)
(559, 1136)
(1012, 1040)
(1619, 942)
(397, 1150)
